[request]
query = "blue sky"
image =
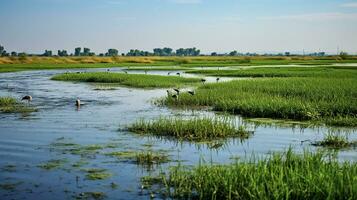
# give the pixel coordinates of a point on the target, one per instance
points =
(211, 25)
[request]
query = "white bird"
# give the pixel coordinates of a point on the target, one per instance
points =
(78, 102)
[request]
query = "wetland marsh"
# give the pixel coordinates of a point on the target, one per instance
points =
(94, 151)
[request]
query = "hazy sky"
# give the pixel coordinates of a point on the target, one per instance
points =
(211, 25)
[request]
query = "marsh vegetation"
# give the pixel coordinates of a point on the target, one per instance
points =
(132, 80)
(194, 129)
(332, 101)
(281, 176)
(11, 105)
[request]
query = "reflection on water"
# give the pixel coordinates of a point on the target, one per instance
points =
(25, 140)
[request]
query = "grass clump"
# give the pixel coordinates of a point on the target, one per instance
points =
(145, 158)
(11, 105)
(336, 141)
(196, 129)
(322, 99)
(91, 195)
(97, 174)
(280, 176)
(52, 164)
(151, 158)
(132, 80)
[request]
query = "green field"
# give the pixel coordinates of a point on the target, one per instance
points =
(131, 80)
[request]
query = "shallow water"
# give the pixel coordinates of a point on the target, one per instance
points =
(25, 140)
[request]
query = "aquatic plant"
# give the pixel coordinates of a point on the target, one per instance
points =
(96, 174)
(91, 195)
(335, 141)
(280, 176)
(53, 164)
(11, 105)
(145, 158)
(195, 129)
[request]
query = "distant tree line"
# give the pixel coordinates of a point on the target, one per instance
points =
(166, 51)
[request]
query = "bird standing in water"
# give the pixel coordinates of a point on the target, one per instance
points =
(203, 80)
(28, 98)
(78, 102)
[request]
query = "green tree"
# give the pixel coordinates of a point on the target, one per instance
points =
(77, 51)
(233, 53)
(2, 49)
(112, 52)
(47, 53)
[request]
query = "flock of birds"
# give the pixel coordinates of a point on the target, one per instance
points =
(28, 98)
(176, 93)
(175, 96)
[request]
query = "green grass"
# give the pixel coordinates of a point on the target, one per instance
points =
(332, 101)
(131, 80)
(11, 105)
(335, 141)
(196, 129)
(280, 176)
(331, 72)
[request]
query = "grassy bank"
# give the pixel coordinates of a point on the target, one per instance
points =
(12, 64)
(281, 176)
(11, 105)
(332, 101)
(132, 80)
(196, 129)
(330, 72)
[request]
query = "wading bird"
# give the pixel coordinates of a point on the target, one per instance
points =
(191, 92)
(217, 79)
(177, 91)
(28, 98)
(78, 102)
(178, 74)
(175, 96)
(203, 80)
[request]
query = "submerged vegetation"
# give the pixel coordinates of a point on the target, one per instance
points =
(146, 158)
(11, 105)
(332, 101)
(53, 164)
(97, 174)
(280, 176)
(196, 129)
(132, 80)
